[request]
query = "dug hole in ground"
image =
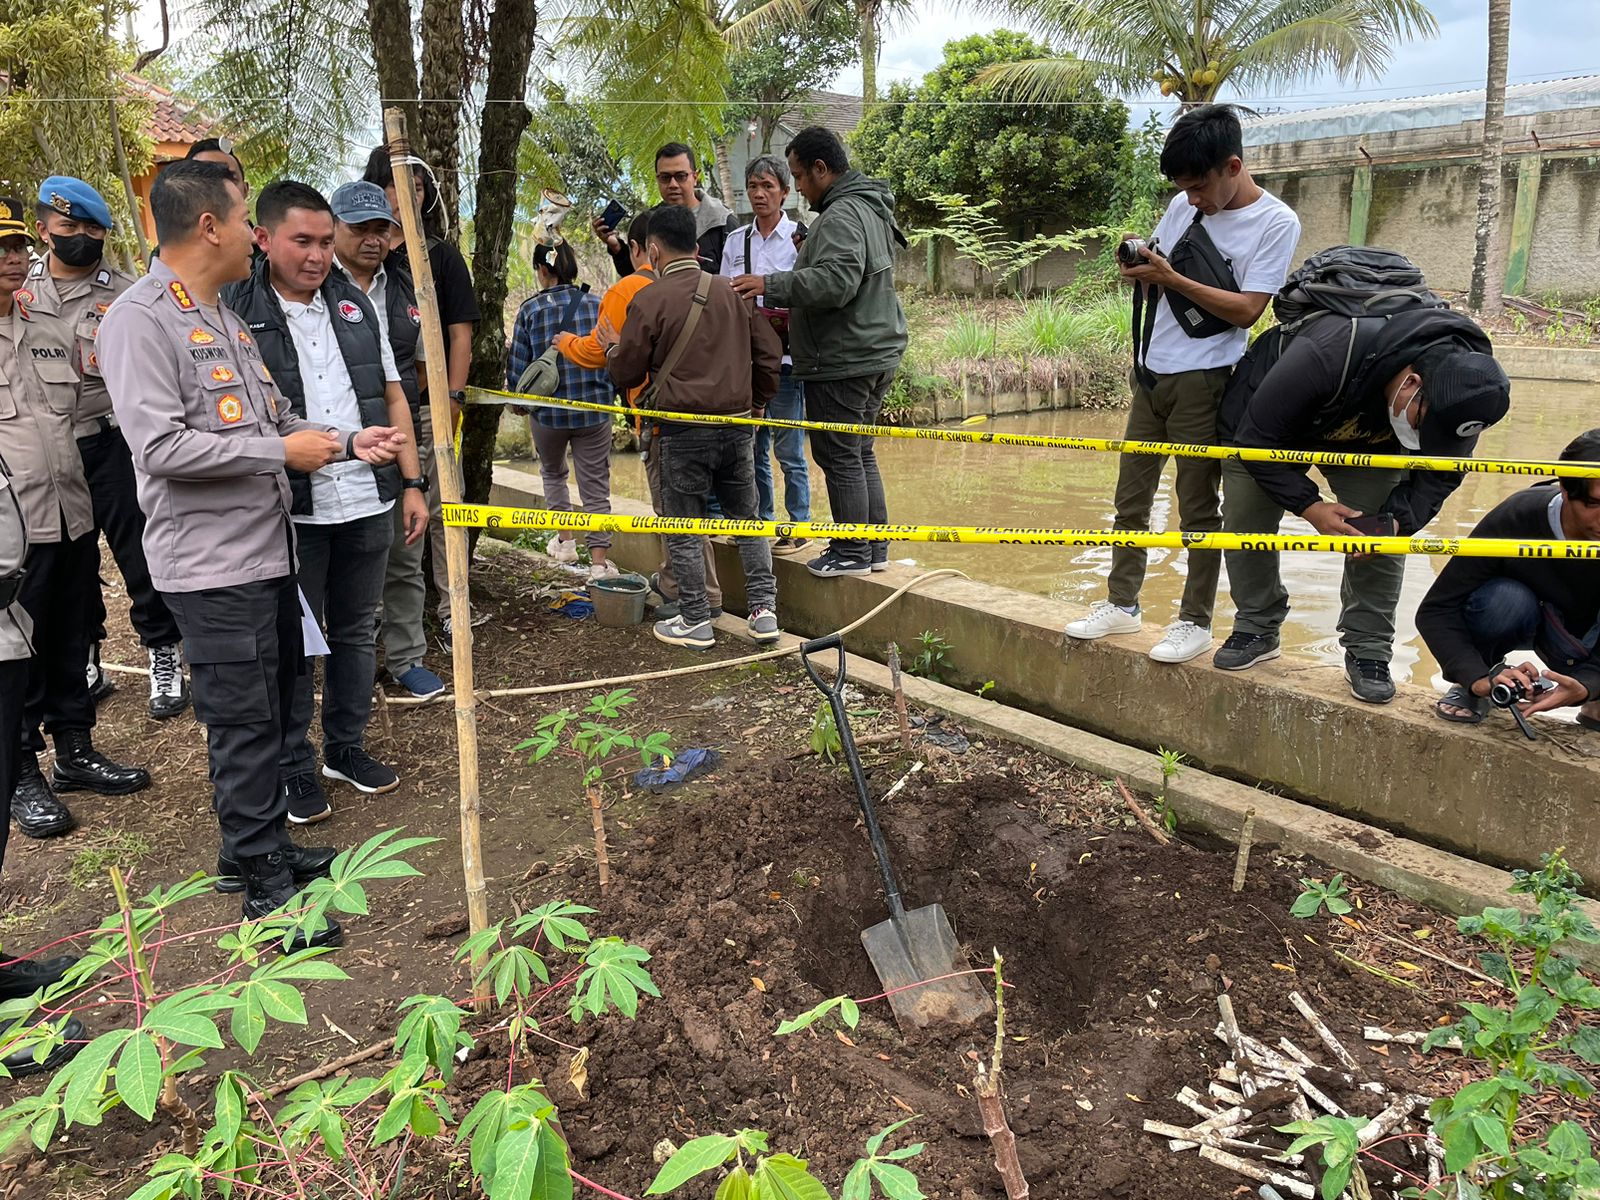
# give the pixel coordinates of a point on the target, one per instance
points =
(749, 887)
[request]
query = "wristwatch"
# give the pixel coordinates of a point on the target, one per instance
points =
(459, 397)
(420, 485)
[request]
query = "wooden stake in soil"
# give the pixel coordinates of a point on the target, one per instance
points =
(992, 1108)
(1335, 1047)
(1247, 835)
(1143, 817)
(899, 698)
(1235, 1040)
(601, 860)
(455, 537)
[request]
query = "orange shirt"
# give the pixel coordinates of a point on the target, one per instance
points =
(586, 351)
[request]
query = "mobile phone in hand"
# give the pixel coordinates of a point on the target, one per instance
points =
(613, 217)
(1375, 525)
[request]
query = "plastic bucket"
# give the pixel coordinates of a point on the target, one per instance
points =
(618, 601)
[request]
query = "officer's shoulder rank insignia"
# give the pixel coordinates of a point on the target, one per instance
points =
(181, 295)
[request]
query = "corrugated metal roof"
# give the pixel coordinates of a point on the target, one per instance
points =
(1420, 112)
(838, 111)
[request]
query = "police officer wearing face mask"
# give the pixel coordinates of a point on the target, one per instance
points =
(38, 397)
(73, 219)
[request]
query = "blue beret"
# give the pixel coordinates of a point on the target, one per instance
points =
(76, 199)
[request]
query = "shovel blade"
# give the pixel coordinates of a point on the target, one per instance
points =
(921, 947)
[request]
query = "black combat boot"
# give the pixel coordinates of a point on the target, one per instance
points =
(19, 1063)
(79, 767)
(169, 693)
(268, 887)
(305, 863)
(34, 806)
(27, 975)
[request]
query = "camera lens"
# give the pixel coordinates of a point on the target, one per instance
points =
(1128, 252)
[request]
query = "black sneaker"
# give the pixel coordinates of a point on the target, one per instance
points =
(307, 803)
(1244, 650)
(880, 556)
(831, 564)
(1369, 679)
(359, 769)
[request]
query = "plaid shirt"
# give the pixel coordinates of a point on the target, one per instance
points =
(538, 322)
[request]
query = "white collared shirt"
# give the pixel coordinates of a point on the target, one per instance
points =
(765, 254)
(341, 491)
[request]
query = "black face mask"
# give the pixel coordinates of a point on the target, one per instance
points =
(79, 250)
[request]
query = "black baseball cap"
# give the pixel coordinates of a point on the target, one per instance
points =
(1466, 392)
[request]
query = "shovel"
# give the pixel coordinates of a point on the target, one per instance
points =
(913, 948)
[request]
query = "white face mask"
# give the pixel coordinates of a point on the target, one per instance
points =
(1410, 438)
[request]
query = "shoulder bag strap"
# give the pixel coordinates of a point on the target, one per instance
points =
(686, 334)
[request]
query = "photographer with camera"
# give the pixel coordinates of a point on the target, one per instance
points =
(1420, 379)
(1218, 255)
(1481, 609)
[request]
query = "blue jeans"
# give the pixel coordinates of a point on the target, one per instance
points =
(1504, 615)
(788, 405)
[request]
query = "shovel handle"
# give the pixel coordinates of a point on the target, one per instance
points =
(847, 743)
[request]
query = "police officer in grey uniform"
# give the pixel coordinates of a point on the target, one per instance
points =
(73, 219)
(23, 976)
(37, 400)
(211, 438)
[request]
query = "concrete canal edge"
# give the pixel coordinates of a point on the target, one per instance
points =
(1398, 778)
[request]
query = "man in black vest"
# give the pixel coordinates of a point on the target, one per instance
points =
(322, 340)
(1423, 381)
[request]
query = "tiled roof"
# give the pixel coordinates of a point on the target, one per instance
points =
(174, 118)
(837, 111)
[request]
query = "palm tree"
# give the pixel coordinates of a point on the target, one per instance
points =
(1191, 48)
(1482, 298)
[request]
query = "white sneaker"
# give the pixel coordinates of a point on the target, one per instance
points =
(605, 570)
(1183, 640)
(563, 550)
(1104, 617)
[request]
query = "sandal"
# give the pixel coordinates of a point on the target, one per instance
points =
(1589, 722)
(1460, 696)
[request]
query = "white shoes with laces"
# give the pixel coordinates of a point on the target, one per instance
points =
(1182, 641)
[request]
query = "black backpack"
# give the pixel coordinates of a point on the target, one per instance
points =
(1362, 285)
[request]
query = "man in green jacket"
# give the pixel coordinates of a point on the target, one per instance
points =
(847, 331)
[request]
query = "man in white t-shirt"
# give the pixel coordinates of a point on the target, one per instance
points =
(767, 245)
(1199, 301)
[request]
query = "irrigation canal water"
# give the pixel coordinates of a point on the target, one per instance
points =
(952, 483)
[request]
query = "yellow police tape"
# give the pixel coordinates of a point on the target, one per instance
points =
(1320, 458)
(496, 517)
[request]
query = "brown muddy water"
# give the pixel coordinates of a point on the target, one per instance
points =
(965, 484)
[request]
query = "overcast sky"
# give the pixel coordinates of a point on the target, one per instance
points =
(1549, 38)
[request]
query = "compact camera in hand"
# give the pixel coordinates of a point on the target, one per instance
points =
(1504, 695)
(1130, 251)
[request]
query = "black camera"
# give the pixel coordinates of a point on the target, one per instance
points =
(1128, 251)
(1504, 695)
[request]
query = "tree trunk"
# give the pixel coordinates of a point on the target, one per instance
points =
(390, 24)
(1485, 294)
(511, 35)
(443, 77)
(867, 15)
(724, 170)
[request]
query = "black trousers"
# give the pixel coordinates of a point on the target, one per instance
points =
(245, 656)
(13, 686)
(108, 466)
(57, 593)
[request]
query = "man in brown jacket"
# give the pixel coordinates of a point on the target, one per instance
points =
(728, 363)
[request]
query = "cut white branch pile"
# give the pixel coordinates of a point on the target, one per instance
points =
(1260, 1087)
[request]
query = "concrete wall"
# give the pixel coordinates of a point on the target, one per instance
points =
(1289, 725)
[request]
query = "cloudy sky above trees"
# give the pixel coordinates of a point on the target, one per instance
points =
(1549, 38)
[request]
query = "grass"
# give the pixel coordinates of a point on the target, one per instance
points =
(103, 850)
(970, 336)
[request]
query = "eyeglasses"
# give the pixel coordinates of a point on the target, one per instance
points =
(674, 176)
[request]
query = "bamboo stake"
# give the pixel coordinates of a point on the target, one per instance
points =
(992, 1108)
(455, 537)
(1247, 835)
(1232, 1035)
(899, 697)
(1335, 1047)
(601, 859)
(1250, 1170)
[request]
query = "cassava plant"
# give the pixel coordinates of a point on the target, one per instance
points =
(596, 738)
(1486, 1156)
